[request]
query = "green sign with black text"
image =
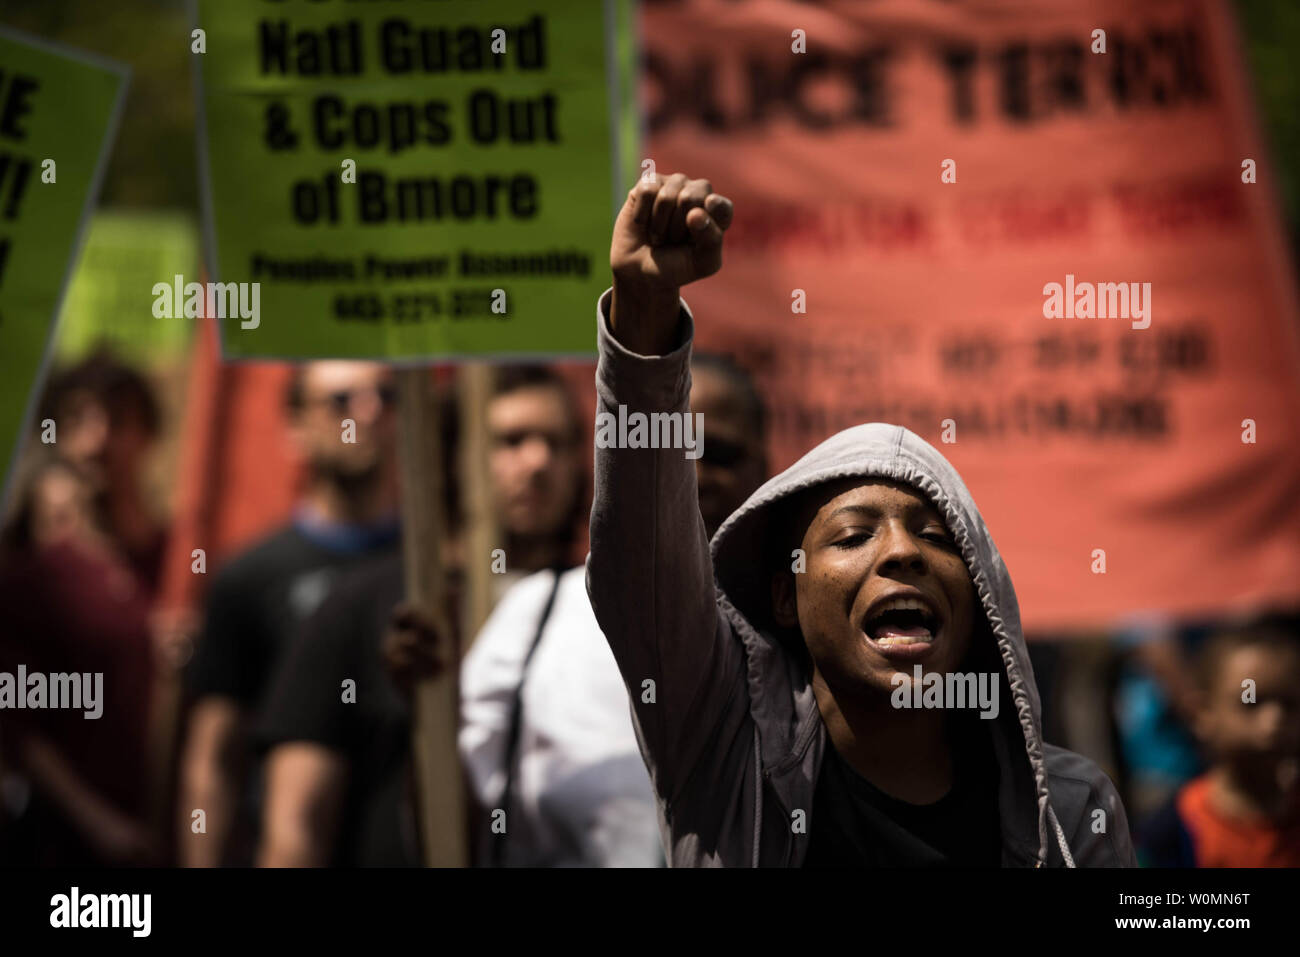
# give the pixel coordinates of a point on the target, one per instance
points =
(412, 179)
(59, 110)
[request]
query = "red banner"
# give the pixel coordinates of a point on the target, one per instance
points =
(1045, 237)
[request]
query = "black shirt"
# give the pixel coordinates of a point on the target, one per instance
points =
(342, 642)
(855, 824)
(256, 605)
(260, 597)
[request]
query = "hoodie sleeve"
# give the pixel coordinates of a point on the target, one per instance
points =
(649, 573)
(1079, 790)
(1095, 850)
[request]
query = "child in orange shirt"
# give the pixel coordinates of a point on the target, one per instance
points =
(1244, 811)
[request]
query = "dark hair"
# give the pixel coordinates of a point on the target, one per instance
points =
(512, 378)
(785, 529)
(115, 384)
(1275, 633)
(784, 533)
(755, 409)
(516, 378)
(293, 389)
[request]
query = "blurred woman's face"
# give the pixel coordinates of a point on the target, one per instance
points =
(61, 509)
(84, 434)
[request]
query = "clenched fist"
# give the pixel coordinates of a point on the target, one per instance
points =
(668, 234)
(413, 648)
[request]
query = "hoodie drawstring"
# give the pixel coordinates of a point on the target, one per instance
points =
(1060, 837)
(758, 797)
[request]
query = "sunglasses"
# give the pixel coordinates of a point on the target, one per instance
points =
(722, 453)
(341, 400)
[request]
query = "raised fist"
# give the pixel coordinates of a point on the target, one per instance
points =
(668, 234)
(660, 238)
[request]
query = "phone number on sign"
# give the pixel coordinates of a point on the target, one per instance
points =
(421, 306)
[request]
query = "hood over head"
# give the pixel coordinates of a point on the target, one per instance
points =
(880, 451)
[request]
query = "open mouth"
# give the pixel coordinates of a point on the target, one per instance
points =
(902, 621)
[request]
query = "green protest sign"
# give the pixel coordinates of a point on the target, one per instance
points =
(110, 299)
(59, 109)
(409, 180)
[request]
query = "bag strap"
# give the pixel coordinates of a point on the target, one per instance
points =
(516, 715)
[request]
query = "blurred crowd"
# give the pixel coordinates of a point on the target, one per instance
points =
(291, 743)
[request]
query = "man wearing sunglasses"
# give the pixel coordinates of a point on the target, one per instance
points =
(337, 790)
(341, 422)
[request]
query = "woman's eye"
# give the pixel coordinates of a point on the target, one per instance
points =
(937, 536)
(850, 541)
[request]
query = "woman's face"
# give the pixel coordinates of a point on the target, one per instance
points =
(885, 587)
(61, 508)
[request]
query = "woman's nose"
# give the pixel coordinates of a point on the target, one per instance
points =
(900, 548)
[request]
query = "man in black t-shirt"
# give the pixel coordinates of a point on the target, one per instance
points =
(336, 769)
(341, 735)
(342, 421)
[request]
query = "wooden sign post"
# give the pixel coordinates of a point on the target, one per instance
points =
(482, 530)
(440, 795)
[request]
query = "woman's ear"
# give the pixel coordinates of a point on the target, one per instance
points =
(785, 605)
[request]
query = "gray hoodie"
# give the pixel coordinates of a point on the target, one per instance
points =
(725, 716)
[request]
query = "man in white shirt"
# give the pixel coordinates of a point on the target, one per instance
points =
(546, 728)
(578, 790)
(336, 782)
